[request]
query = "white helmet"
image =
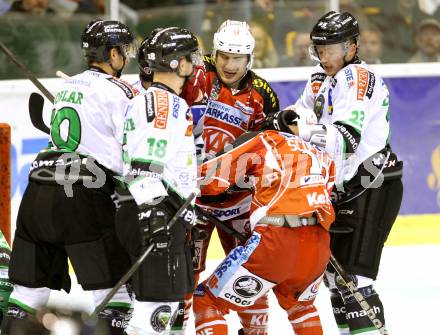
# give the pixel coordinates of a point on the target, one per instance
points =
(234, 37)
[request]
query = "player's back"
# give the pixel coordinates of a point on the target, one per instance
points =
(88, 117)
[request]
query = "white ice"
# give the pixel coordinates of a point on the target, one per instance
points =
(408, 283)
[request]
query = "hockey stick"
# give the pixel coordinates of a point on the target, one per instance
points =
(36, 103)
(339, 269)
(141, 258)
(358, 296)
(204, 216)
(27, 72)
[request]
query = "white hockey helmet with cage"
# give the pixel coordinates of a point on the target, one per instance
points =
(234, 37)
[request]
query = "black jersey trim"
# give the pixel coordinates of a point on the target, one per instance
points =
(123, 86)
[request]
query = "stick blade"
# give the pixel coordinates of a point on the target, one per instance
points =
(36, 103)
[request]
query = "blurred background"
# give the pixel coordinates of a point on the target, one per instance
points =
(45, 33)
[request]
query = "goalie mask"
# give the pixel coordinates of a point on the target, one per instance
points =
(100, 36)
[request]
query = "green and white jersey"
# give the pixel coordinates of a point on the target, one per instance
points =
(88, 117)
(354, 107)
(158, 145)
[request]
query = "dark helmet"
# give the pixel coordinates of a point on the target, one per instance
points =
(101, 35)
(334, 28)
(164, 49)
(145, 72)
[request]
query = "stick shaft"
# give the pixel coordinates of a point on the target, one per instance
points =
(27, 72)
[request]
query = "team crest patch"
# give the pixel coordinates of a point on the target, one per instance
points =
(160, 318)
(319, 106)
(247, 286)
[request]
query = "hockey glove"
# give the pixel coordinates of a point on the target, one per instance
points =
(194, 89)
(154, 220)
(153, 223)
(280, 121)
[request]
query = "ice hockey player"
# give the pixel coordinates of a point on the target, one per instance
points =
(238, 101)
(159, 154)
(5, 284)
(67, 209)
(350, 102)
(290, 244)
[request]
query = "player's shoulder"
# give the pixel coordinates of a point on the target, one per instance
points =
(262, 87)
(209, 62)
(318, 74)
(122, 87)
(359, 78)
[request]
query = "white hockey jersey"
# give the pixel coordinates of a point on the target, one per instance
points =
(89, 117)
(354, 106)
(158, 145)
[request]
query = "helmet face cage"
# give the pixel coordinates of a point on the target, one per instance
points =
(101, 36)
(234, 37)
(164, 49)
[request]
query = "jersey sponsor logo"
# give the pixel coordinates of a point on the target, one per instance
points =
(219, 213)
(245, 109)
(160, 318)
(371, 82)
(237, 300)
(216, 139)
(247, 286)
(162, 108)
(238, 255)
(311, 291)
(318, 76)
(374, 310)
(362, 82)
(259, 319)
(316, 81)
(260, 83)
(176, 106)
(311, 180)
(227, 114)
(316, 199)
(149, 100)
(347, 136)
(228, 261)
(349, 77)
(128, 90)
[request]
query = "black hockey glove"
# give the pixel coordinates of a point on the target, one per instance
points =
(280, 121)
(153, 223)
(154, 219)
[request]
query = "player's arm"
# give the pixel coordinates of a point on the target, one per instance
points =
(266, 97)
(149, 149)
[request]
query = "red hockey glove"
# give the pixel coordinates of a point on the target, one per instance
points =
(195, 87)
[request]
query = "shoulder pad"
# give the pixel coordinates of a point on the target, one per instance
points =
(264, 89)
(209, 63)
(129, 91)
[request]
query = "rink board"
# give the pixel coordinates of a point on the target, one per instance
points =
(415, 128)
